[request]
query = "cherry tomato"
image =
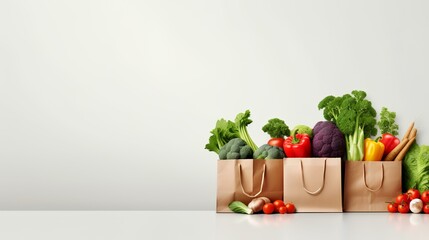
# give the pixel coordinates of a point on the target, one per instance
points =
(402, 198)
(282, 210)
(268, 208)
(290, 207)
(392, 207)
(413, 193)
(426, 208)
(278, 204)
(277, 142)
(425, 197)
(404, 208)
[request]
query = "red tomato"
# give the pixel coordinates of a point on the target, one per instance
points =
(277, 142)
(425, 197)
(413, 193)
(404, 208)
(278, 204)
(290, 208)
(426, 208)
(392, 207)
(268, 208)
(282, 210)
(402, 198)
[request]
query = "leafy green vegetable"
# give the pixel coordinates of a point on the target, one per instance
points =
(276, 128)
(354, 116)
(268, 152)
(239, 207)
(236, 148)
(241, 122)
(223, 132)
(387, 122)
(415, 171)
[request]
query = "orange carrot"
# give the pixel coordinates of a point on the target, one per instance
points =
(404, 151)
(392, 155)
(407, 133)
(413, 133)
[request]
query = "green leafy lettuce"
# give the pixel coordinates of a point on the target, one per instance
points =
(415, 171)
(224, 131)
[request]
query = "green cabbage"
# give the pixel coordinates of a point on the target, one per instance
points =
(415, 168)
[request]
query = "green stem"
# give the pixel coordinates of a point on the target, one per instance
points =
(245, 136)
(294, 139)
(355, 145)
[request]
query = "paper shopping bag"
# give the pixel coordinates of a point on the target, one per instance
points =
(368, 185)
(245, 179)
(313, 184)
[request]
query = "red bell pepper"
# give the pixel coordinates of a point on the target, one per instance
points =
(390, 142)
(297, 145)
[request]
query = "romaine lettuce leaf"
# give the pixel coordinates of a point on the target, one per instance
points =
(415, 168)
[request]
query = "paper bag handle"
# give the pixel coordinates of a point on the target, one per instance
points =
(381, 182)
(262, 183)
(323, 180)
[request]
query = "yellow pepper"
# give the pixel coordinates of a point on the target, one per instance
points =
(373, 150)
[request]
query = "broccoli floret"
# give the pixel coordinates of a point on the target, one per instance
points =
(268, 152)
(236, 148)
(328, 141)
(246, 152)
(276, 128)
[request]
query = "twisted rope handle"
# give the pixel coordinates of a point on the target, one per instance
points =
(262, 183)
(381, 182)
(323, 180)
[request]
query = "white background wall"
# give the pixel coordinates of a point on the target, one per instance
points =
(108, 104)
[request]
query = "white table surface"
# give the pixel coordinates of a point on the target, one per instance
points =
(63, 225)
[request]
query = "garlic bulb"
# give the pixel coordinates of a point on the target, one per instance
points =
(416, 205)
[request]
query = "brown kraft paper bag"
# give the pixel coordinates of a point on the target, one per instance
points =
(369, 185)
(313, 184)
(245, 179)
